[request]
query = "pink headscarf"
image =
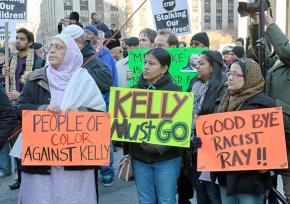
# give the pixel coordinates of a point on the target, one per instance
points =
(58, 78)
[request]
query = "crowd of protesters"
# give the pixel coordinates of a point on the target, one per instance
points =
(77, 59)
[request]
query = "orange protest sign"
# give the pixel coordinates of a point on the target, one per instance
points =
(242, 140)
(66, 139)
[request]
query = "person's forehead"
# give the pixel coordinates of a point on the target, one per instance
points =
(57, 41)
(21, 35)
(143, 36)
(161, 39)
(236, 67)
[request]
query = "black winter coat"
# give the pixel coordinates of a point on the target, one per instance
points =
(8, 117)
(166, 152)
(36, 96)
(248, 182)
(97, 68)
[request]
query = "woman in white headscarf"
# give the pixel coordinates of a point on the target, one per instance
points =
(62, 85)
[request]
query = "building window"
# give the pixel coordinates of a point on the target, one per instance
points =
(219, 11)
(84, 11)
(68, 7)
(100, 8)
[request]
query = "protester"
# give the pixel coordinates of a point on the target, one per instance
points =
(8, 120)
(208, 88)
(200, 40)
(96, 38)
(237, 52)
(5, 164)
(115, 48)
(147, 37)
(124, 46)
(226, 55)
(92, 34)
(74, 18)
(156, 168)
(240, 42)
(39, 50)
(115, 30)
(277, 80)
(23, 61)
(123, 64)
(166, 39)
(95, 66)
(96, 21)
(245, 92)
(60, 87)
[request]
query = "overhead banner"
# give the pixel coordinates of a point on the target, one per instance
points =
(156, 117)
(172, 15)
(65, 139)
(182, 68)
(13, 10)
(11, 34)
(242, 140)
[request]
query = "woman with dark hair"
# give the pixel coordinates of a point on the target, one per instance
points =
(156, 168)
(208, 88)
(245, 92)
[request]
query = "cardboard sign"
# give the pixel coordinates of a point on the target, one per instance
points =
(242, 140)
(172, 15)
(13, 10)
(66, 139)
(155, 117)
(182, 67)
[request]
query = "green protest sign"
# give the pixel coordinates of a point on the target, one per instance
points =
(156, 117)
(180, 69)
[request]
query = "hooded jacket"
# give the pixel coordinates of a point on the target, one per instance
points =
(165, 152)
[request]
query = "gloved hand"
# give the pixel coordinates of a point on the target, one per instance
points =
(196, 142)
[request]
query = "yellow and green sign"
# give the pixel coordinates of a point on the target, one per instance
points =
(182, 68)
(156, 117)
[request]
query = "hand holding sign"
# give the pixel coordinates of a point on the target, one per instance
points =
(155, 117)
(242, 140)
(66, 139)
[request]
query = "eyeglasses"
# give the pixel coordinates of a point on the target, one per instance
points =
(195, 43)
(234, 75)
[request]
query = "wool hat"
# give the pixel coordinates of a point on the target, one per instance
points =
(239, 51)
(74, 16)
(214, 56)
(74, 31)
(201, 37)
(92, 28)
(37, 46)
(133, 41)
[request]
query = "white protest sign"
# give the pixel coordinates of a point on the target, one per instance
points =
(173, 15)
(12, 31)
(13, 10)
